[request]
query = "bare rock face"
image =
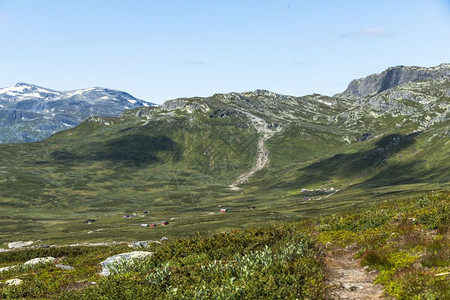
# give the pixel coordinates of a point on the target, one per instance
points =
(114, 263)
(392, 77)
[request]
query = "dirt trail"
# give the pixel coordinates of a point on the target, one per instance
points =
(262, 153)
(348, 280)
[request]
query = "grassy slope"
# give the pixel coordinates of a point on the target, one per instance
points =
(180, 169)
(407, 242)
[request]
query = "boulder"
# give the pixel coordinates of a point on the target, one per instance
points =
(142, 244)
(39, 261)
(138, 244)
(14, 281)
(123, 259)
(4, 269)
(19, 244)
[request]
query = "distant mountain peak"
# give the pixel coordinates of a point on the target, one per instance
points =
(30, 113)
(394, 76)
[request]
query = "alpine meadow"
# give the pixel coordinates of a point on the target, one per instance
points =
(225, 150)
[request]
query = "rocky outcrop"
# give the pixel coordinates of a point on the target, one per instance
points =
(40, 261)
(116, 262)
(15, 281)
(392, 77)
(142, 244)
(19, 244)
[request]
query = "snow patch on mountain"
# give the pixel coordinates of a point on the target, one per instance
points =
(31, 113)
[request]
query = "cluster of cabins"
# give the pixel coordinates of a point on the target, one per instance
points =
(163, 223)
(144, 213)
(135, 215)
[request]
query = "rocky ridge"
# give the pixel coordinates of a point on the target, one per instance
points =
(392, 77)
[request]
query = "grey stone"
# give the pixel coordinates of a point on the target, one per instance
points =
(64, 267)
(111, 263)
(14, 281)
(19, 244)
(39, 261)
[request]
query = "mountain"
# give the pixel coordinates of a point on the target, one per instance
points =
(393, 77)
(290, 157)
(30, 113)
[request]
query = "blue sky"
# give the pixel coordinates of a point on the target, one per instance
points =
(159, 50)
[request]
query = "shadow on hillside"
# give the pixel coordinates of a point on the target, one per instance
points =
(407, 173)
(134, 149)
(139, 149)
(354, 164)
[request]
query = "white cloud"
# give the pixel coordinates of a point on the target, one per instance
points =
(378, 31)
(126, 58)
(299, 64)
(195, 62)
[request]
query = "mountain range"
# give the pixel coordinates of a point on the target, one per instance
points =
(30, 113)
(386, 137)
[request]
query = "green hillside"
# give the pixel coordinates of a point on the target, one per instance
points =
(182, 161)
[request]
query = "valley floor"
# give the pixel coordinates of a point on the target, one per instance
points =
(395, 250)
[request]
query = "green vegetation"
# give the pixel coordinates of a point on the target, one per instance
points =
(329, 160)
(180, 169)
(407, 243)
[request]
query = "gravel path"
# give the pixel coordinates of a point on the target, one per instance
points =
(348, 280)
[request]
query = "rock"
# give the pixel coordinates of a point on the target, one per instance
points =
(4, 269)
(39, 261)
(393, 77)
(141, 244)
(64, 267)
(138, 244)
(19, 244)
(111, 263)
(14, 281)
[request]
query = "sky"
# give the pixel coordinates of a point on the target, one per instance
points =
(165, 49)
